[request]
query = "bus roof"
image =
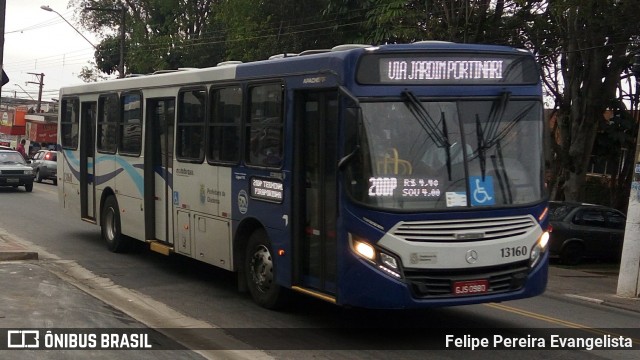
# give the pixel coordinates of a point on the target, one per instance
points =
(309, 60)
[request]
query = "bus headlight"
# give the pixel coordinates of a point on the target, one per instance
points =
(389, 261)
(385, 262)
(538, 249)
(365, 250)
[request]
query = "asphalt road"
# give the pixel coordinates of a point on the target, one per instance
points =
(323, 331)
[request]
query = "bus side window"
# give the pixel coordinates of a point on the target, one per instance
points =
(108, 120)
(191, 125)
(265, 127)
(69, 123)
(224, 129)
(130, 135)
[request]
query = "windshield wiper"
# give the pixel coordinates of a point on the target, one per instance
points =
(513, 122)
(486, 136)
(447, 147)
(491, 136)
(440, 138)
(501, 175)
(496, 114)
(481, 146)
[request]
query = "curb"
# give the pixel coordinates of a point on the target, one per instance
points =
(18, 255)
(12, 250)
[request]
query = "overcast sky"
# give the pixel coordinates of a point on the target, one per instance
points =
(38, 41)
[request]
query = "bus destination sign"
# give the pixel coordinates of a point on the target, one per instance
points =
(412, 69)
(400, 70)
(267, 189)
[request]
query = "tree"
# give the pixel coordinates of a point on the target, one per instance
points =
(585, 48)
(91, 73)
(401, 21)
(258, 30)
(160, 34)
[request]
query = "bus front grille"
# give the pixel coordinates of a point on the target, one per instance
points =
(429, 283)
(464, 230)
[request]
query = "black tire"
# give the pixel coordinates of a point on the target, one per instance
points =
(260, 272)
(38, 178)
(110, 226)
(28, 187)
(55, 181)
(572, 253)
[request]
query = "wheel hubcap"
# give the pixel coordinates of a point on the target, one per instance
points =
(262, 268)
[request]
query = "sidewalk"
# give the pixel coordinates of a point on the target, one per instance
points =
(57, 299)
(590, 282)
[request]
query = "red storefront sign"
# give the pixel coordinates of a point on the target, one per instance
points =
(11, 130)
(47, 133)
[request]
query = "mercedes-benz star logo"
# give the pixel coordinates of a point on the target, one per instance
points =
(472, 256)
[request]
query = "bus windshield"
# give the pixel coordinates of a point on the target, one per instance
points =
(435, 155)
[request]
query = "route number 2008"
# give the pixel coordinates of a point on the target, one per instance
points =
(514, 251)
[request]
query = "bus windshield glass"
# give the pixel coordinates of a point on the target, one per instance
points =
(436, 155)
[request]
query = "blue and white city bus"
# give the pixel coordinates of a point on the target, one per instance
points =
(395, 176)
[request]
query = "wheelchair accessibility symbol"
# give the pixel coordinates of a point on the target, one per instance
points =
(482, 192)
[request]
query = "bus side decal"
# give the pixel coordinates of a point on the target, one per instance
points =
(73, 163)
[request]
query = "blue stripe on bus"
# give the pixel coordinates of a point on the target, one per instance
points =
(73, 163)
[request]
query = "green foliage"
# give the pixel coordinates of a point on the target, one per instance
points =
(584, 47)
(257, 30)
(90, 73)
(160, 34)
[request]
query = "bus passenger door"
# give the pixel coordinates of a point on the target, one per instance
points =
(315, 199)
(88, 115)
(158, 172)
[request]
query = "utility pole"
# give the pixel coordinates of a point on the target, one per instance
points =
(629, 277)
(41, 84)
(123, 13)
(3, 10)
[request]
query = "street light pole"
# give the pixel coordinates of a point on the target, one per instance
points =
(25, 91)
(47, 8)
(629, 277)
(3, 10)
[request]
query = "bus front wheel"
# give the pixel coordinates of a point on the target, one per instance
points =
(110, 226)
(260, 272)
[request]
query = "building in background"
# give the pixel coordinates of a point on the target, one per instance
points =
(18, 121)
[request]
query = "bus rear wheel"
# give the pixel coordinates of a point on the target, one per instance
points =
(110, 226)
(260, 272)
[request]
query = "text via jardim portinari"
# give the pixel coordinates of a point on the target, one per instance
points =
(605, 341)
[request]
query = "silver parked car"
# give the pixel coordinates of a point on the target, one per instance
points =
(45, 165)
(14, 170)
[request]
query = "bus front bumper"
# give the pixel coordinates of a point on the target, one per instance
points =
(365, 286)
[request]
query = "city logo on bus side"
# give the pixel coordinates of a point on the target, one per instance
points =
(243, 202)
